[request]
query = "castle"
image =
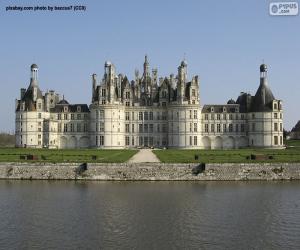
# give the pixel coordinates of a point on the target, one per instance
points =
(148, 111)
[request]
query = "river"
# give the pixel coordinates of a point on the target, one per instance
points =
(149, 215)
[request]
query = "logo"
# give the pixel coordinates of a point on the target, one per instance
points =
(283, 9)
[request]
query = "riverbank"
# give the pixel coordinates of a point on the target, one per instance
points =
(150, 171)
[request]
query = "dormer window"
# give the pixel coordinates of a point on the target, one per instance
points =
(211, 109)
(164, 94)
(193, 92)
(127, 95)
(65, 108)
(275, 106)
(78, 109)
(224, 109)
(236, 109)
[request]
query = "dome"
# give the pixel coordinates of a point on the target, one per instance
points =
(107, 63)
(231, 101)
(63, 101)
(34, 66)
(263, 68)
(184, 63)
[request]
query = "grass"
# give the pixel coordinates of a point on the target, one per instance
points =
(66, 155)
(291, 154)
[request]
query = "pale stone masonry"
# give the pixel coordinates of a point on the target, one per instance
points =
(147, 111)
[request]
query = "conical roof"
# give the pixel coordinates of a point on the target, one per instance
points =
(263, 98)
(296, 128)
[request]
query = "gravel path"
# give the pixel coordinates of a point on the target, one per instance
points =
(144, 155)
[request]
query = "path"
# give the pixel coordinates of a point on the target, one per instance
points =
(144, 155)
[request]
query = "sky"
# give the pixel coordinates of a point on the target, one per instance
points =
(224, 42)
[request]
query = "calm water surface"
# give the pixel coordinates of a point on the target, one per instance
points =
(149, 215)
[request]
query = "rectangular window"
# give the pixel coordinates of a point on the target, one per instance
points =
(212, 127)
(101, 126)
(65, 127)
(59, 128)
(146, 116)
(127, 104)
(164, 128)
(127, 140)
(280, 127)
(164, 115)
(236, 128)
(127, 128)
(101, 140)
(206, 128)
(206, 117)
(65, 116)
(132, 141)
(158, 128)
(276, 140)
(195, 127)
(218, 117)
(72, 127)
(191, 140)
(132, 128)
(39, 105)
(253, 127)
(281, 142)
(141, 128)
(140, 116)
(78, 116)
(127, 116)
(195, 114)
(103, 92)
(85, 127)
(145, 128)
(218, 128)
(158, 115)
(224, 128)
(39, 115)
(212, 116)
(151, 128)
(242, 127)
(230, 127)
(127, 95)
(78, 127)
(72, 116)
(190, 114)
(276, 126)
(140, 141)
(58, 116)
(191, 127)
(195, 140)
(275, 116)
(151, 116)
(132, 116)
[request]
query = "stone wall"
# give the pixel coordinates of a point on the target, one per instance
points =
(150, 171)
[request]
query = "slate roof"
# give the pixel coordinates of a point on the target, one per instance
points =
(262, 101)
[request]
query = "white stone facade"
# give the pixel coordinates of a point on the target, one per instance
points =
(148, 111)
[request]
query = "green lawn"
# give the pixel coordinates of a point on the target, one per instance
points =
(291, 154)
(71, 155)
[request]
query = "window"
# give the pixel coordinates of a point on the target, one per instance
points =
(224, 128)
(281, 140)
(85, 127)
(230, 117)
(242, 127)
(195, 140)
(230, 127)
(39, 105)
(193, 92)
(218, 117)
(253, 116)
(78, 116)
(242, 116)
(158, 115)
(101, 114)
(253, 127)
(195, 114)
(140, 141)
(140, 116)
(218, 128)
(127, 104)
(132, 128)
(191, 140)
(59, 128)
(127, 128)
(78, 127)
(127, 95)
(145, 128)
(103, 92)
(132, 141)
(275, 107)
(39, 129)
(101, 140)
(195, 127)
(276, 140)
(280, 127)
(158, 128)
(72, 116)
(72, 127)
(164, 115)
(103, 102)
(58, 116)
(65, 128)
(206, 117)
(151, 128)
(212, 127)
(127, 116)
(275, 115)
(141, 128)
(276, 126)
(150, 115)
(132, 116)
(146, 116)
(206, 128)
(65, 116)
(236, 127)
(280, 116)
(191, 127)
(164, 128)
(127, 140)
(39, 115)
(190, 114)
(101, 126)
